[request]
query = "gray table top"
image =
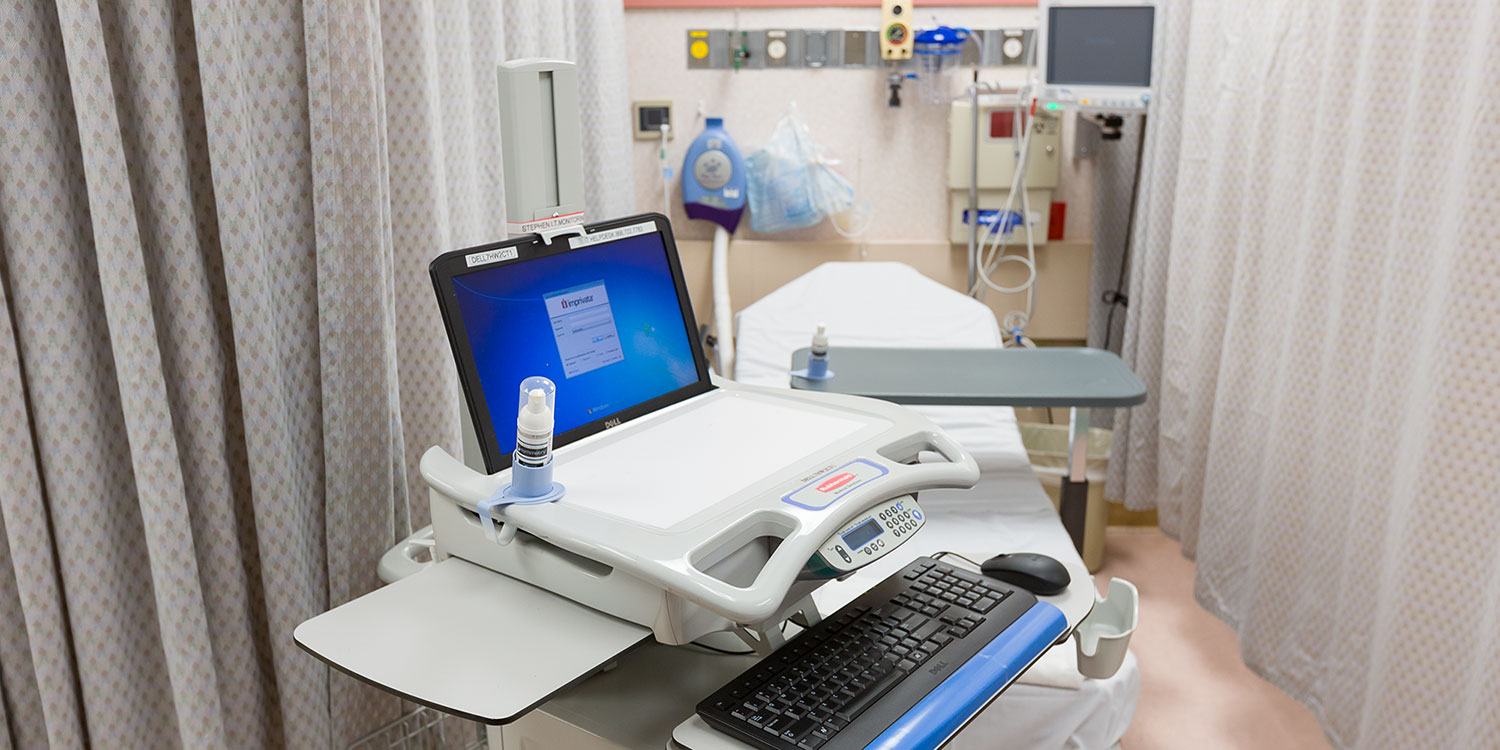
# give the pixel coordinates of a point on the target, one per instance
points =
(1052, 376)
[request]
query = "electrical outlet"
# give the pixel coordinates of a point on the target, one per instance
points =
(650, 115)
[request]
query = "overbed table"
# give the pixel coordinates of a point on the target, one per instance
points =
(1073, 377)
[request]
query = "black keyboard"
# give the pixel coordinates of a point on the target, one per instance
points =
(843, 682)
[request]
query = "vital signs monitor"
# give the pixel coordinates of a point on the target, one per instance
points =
(1097, 55)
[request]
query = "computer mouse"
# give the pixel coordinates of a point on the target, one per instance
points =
(1033, 571)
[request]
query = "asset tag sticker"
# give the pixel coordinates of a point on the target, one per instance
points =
(490, 256)
(610, 235)
(832, 485)
(536, 225)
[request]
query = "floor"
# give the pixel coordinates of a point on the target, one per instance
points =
(1195, 691)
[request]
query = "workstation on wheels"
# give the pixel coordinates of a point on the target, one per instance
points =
(749, 374)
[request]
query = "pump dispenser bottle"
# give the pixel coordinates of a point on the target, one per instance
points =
(817, 357)
(531, 464)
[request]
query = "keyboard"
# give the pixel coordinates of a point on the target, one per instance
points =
(854, 679)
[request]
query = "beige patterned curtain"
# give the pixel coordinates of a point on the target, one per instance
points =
(1313, 305)
(219, 354)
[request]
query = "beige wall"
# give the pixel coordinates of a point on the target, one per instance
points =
(896, 158)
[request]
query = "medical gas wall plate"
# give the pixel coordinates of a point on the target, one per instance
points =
(780, 47)
(853, 48)
(857, 51)
(820, 46)
(866, 539)
(896, 31)
(707, 48)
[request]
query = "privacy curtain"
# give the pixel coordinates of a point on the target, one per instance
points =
(1313, 304)
(219, 354)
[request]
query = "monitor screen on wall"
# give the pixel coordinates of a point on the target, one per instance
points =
(1100, 45)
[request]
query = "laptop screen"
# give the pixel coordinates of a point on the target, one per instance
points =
(603, 319)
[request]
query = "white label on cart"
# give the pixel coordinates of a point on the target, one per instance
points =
(490, 256)
(584, 325)
(828, 488)
(610, 235)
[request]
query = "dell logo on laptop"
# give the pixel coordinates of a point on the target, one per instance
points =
(611, 422)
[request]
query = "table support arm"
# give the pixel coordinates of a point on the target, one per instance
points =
(1074, 495)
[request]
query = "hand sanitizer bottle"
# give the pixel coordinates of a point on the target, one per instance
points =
(531, 464)
(817, 358)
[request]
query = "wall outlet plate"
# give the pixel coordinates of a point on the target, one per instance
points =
(648, 116)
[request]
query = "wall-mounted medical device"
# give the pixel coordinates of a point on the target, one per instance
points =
(849, 48)
(1001, 123)
(896, 32)
(543, 153)
(1095, 55)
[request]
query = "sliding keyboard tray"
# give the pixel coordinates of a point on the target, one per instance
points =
(926, 716)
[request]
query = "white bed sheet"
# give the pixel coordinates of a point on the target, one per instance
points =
(891, 304)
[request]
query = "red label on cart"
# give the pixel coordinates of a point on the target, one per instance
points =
(836, 482)
(840, 481)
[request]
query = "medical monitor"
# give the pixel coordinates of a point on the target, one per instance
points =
(1097, 56)
(605, 316)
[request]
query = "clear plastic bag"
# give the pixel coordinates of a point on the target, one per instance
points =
(793, 184)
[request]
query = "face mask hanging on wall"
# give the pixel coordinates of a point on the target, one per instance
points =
(793, 184)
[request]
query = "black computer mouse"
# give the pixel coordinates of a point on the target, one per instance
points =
(1033, 571)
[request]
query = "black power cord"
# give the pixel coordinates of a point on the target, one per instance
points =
(1115, 298)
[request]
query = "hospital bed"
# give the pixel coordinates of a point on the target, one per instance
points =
(1052, 706)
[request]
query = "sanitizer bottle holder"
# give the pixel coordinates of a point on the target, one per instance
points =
(812, 373)
(1104, 636)
(529, 485)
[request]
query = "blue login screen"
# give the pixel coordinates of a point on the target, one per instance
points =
(602, 322)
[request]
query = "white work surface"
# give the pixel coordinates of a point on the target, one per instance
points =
(468, 640)
(708, 468)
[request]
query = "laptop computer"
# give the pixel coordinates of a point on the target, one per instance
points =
(604, 315)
